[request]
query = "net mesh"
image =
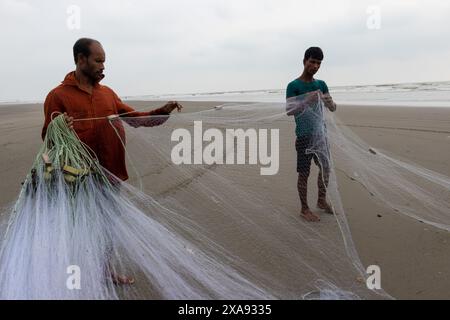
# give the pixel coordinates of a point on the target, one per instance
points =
(212, 210)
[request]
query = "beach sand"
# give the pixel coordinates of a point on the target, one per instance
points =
(414, 257)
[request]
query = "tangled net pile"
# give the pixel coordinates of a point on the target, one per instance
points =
(212, 229)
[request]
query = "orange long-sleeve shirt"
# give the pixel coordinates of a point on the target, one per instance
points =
(99, 135)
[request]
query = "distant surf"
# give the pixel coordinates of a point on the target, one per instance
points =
(423, 94)
(420, 94)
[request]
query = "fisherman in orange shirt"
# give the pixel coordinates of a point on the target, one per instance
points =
(81, 96)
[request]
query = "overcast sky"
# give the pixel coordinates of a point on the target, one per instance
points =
(180, 46)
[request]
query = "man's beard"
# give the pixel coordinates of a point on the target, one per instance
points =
(92, 76)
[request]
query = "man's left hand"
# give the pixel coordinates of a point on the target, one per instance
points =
(172, 105)
(329, 103)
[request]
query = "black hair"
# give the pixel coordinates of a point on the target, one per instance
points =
(313, 52)
(82, 46)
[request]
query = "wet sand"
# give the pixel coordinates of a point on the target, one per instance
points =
(414, 257)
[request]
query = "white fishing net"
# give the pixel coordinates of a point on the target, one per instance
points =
(211, 211)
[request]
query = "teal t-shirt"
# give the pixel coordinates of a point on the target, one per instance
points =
(304, 123)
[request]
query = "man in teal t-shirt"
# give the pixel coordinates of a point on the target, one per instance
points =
(306, 132)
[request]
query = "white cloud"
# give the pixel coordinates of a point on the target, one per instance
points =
(205, 45)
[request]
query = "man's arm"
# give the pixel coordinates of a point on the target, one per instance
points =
(145, 119)
(327, 99)
(329, 103)
(298, 104)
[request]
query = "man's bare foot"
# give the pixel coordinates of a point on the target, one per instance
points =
(309, 216)
(324, 205)
(121, 280)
